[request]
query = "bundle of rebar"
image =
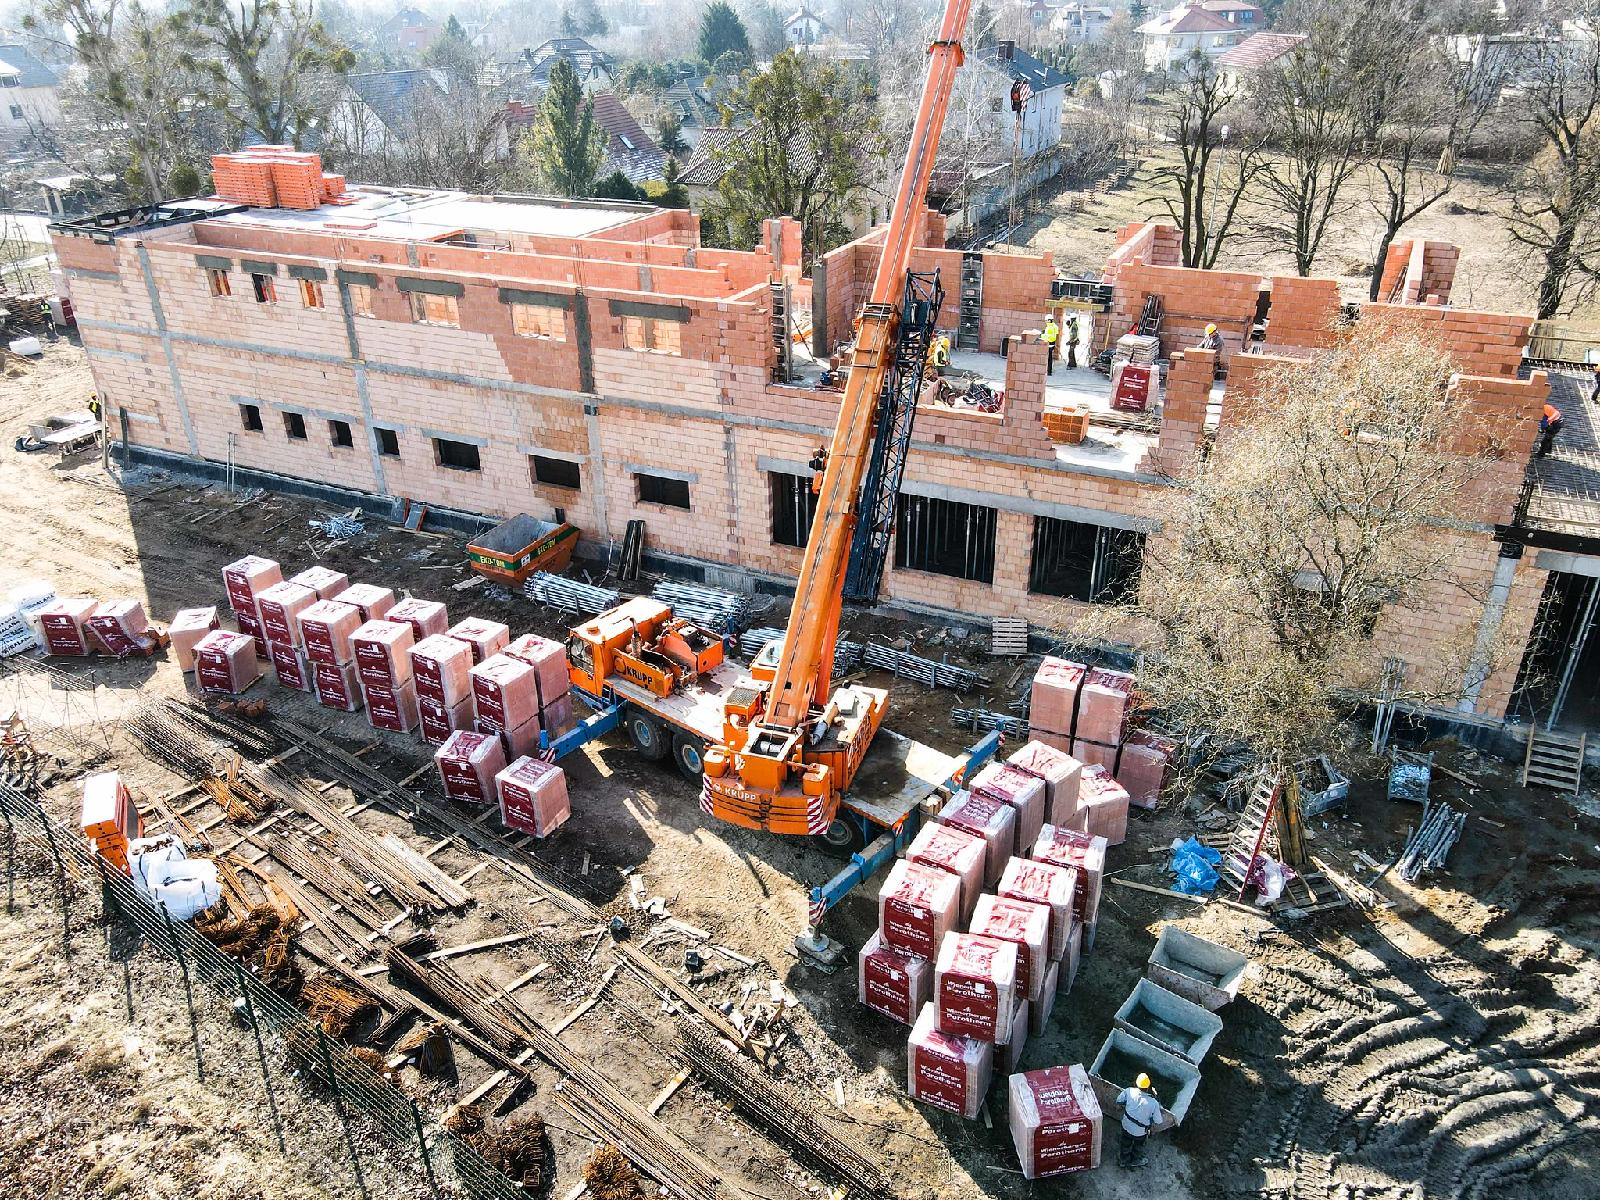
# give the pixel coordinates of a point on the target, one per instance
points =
(166, 741)
(790, 1117)
(341, 525)
(1428, 847)
(924, 670)
(568, 595)
(846, 655)
(981, 718)
(713, 609)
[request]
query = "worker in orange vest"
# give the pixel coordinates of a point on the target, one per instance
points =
(1549, 426)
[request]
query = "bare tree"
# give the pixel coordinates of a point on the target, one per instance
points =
(1298, 538)
(1555, 201)
(1116, 60)
(270, 62)
(1191, 188)
(448, 140)
(1306, 105)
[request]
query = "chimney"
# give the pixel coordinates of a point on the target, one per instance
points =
(1004, 50)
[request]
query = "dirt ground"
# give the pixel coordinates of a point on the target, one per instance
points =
(1445, 1045)
(1495, 273)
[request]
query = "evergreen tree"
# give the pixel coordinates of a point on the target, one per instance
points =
(669, 132)
(566, 141)
(722, 32)
(983, 22)
(616, 186)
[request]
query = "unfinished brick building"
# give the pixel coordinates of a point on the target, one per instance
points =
(512, 354)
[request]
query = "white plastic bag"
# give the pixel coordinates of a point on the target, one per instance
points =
(190, 887)
(150, 859)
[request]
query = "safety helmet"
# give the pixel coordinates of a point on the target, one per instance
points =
(1143, 1081)
(1211, 329)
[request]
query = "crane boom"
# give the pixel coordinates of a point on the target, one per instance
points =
(795, 758)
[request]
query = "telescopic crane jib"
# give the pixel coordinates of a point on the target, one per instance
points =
(792, 743)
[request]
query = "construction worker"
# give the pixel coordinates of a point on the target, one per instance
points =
(1052, 333)
(1072, 342)
(940, 355)
(94, 405)
(1549, 426)
(1140, 1111)
(1594, 396)
(1212, 339)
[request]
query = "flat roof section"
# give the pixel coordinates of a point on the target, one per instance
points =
(425, 216)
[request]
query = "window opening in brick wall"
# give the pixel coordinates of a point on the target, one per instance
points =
(217, 280)
(16, 112)
(652, 334)
(360, 299)
(658, 489)
(264, 291)
(539, 321)
(250, 416)
(388, 442)
(310, 293)
(1080, 561)
(945, 537)
(557, 472)
(294, 424)
(456, 456)
(339, 431)
(428, 309)
(794, 507)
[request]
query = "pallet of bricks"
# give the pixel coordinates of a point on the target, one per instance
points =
(275, 176)
(490, 704)
(77, 626)
(981, 928)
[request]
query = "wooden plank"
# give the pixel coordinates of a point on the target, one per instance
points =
(470, 947)
(494, 1081)
(467, 875)
(648, 966)
(1155, 891)
(527, 976)
(666, 1093)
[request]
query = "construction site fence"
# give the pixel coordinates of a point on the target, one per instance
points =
(322, 1063)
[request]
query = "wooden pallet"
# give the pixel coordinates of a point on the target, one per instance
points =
(1553, 760)
(1008, 637)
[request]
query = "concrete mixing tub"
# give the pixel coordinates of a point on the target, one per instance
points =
(1169, 1021)
(1123, 1057)
(1196, 969)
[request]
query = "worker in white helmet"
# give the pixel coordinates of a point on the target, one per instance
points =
(1140, 1111)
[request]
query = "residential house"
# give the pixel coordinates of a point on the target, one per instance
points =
(1242, 13)
(629, 148)
(1080, 24)
(1239, 65)
(380, 109)
(1188, 29)
(694, 108)
(804, 28)
(28, 98)
(595, 68)
(1046, 88)
(409, 31)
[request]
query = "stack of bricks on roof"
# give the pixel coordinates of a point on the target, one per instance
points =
(496, 355)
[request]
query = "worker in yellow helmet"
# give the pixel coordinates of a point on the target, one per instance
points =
(1051, 334)
(1140, 1111)
(1212, 340)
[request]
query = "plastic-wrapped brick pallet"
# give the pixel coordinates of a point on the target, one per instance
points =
(290, 666)
(947, 1072)
(1104, 706)
(468, 763)
(120, 628)
(1053, 702)
(487, 638)
(960, 853)
(439, 721)
(975, 987)
(1044, 883)
(370, 600)
(1022, 790)
(504, 693)
(226, 662)
(1055, 1122)
(917, 906)
(324, 581)
(1103, 806)
(383, 653)
(1087, 855)
(442, 666)
(391, 708)
(1059, 771)
(427, 618)
(66, 625)
(245, 578)
(533, 797)
(1142, 769)
(280, 607)
(993, 820)
(338, 686)
(1027, 925)
(892, 982)
(326, 628)
(189, 627)
(549, 661)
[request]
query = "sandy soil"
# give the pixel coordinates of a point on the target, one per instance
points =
(1446, 1046)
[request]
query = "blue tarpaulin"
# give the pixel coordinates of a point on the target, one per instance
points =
(1193, 863)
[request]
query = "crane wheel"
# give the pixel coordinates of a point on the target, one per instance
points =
(647, 736)
(688, 753)
(841, 839)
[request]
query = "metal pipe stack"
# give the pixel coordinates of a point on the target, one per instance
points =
(924, 670)
(716, 610)
(1430, 845)
(568, 595)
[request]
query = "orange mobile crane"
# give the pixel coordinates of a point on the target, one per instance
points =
(789, 752)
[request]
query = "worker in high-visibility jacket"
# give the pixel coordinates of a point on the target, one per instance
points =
(1140, 1112)
(1549, 426)
(939, 354)
(1051, 335)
